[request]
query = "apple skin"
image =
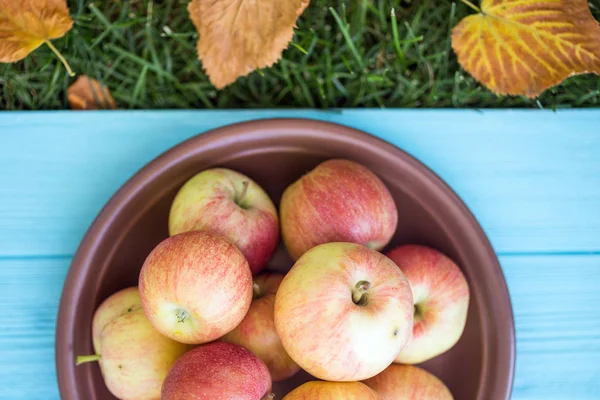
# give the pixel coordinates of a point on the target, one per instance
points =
(321, 390)
(218, 370)
(134, 357)
(441, 295)
(338, 201)
(195, 287)
(409, 383)
(343, 312)
(215, 200)
(257, 331)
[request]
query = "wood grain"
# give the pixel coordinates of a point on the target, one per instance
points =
(30, 291)
(555, 299)
(530, 178)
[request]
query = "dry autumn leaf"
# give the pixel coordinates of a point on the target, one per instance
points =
(27, 24)
(240, 36)
(89, 94)
(527, 46)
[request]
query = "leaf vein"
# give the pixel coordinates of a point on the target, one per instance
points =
(524, 46)
(510, 50)
(504, 6)
(499, 56)
(544, 33)
(485, 57)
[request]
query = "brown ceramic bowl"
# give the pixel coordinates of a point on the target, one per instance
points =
(275, 153)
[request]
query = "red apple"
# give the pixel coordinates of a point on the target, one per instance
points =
(338, 201)
(343, 312)
(195, 287)
(408, 382)
(229, 203)
(257, 331)
(218, 370)
(320, 390)
(441, 296)
(134, 358)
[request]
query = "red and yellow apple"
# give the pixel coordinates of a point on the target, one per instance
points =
(195, 287)
(441, 296)
(229, 203)
(218, 370)
(322, 390)
(134, 358)
(337, 201)
(408, 382)
(343, 312)
(257, 331)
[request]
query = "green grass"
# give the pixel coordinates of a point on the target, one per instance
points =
(345, 54)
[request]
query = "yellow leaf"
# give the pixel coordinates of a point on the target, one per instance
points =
(240, 36)
(89, 94)
(27, 24)
(527, 46)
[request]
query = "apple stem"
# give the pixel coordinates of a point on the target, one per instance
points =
(360, 293)
(255, 291)
(86, 359)
(269, 396)
(418, 311)
(240, 198)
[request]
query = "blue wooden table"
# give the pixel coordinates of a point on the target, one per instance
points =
(532, 178)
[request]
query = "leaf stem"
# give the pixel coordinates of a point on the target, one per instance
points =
(60, 57)
(473, 6)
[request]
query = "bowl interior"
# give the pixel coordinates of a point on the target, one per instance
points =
(275, 154)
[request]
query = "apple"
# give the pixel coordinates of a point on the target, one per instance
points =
(229, 203)
(322, 390)
(343, 312)
(408, 382)
(134, 358)
(441, 296)
(218, 370)
(257, 331)
(195, 287)
(338, 201)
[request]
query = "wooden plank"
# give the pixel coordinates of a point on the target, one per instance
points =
(29, 296)
(531, 178)
(555, 299)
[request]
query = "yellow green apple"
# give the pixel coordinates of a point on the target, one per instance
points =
(408, 382)
(343, 312)
(134, 358)
(228, 202)
(441, 295)
(338, 201)
(195, 286)
(257, 331)
(322, 390)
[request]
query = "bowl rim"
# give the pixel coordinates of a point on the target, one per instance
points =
(80, 266)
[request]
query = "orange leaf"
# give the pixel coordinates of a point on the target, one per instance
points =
(27, 24)
(89, 94)
(527, 46)
(239, 36)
